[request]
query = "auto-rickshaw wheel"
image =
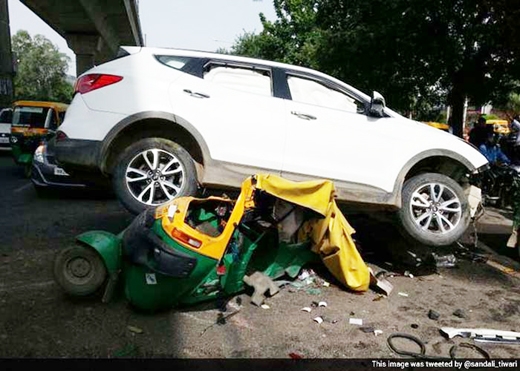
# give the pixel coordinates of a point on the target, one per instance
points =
(79, 270)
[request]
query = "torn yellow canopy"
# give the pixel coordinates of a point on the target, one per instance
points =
(331, 235)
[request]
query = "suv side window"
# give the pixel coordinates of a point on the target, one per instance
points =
(173, 61)
(247, 79)
(304, 90)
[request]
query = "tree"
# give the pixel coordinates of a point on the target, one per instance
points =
(41, 69)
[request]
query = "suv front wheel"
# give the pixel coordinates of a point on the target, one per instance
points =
(152, 172)
(434, 209)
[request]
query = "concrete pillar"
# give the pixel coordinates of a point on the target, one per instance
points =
(83, 63)
(6, 58)
(85, 46)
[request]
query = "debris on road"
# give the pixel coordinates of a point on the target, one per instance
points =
(378, 332)
(422, 346)
(265, 306)
(380, 282)
(378, 297)
(319, 320)
(414, 325)
(445, 261)
(306, 309)
(403, 294)
(433, 315)
(483, 335)
(355, 321)
(367, 329)
(295, 356)
(460, 313)
(261, 284)
(322, 304)
(313, 291)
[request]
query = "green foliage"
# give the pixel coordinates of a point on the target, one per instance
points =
(41, 69)
(492, 117)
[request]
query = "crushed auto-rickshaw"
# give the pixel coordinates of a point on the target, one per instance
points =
(195, 249)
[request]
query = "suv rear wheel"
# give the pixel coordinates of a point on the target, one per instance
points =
(434, 209)
(152, 172)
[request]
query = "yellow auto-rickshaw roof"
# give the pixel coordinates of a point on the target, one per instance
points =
(34, 103)
(438, 125)
(496, 121)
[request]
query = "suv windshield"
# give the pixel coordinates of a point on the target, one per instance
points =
(33, 117)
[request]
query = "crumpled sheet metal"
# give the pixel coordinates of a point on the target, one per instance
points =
(331, 234)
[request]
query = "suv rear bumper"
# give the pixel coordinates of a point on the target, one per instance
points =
(77, 153)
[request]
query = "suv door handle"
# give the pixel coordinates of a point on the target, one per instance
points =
(195, 94)
(303, 116)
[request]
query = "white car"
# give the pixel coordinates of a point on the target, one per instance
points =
(163, 122)
(6, 116)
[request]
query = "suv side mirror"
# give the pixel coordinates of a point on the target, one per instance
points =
(377, 105)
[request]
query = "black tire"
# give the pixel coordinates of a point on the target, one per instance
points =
(79, 270)
(127, 193)
(431, 233)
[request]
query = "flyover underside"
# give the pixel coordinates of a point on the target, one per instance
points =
(94, 29)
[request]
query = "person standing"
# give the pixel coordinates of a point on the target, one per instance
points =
(479, 133)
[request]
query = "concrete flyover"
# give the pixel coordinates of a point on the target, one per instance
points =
(93, 29)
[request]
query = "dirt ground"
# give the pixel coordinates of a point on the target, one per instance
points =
(38, 320)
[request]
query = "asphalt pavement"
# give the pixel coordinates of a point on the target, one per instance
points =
(38, 320)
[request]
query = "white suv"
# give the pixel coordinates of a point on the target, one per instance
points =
(163, 122)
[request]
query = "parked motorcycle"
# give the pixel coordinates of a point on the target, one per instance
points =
(499, 185)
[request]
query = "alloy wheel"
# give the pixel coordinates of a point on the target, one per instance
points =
(155, 176)
(436, 208)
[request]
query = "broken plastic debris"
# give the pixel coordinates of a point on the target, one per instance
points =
(378, 332)
(304, 275)
(265, 306)
(367, 329)
(306, 309)
(318, 319)
(295, 356)
(408, 274)
(313, 291)
(322, 304)
(403, 294)
(384, 285)
(326, 284)
(134, 329)
(356, 321)
(378, 297)
(446, 261)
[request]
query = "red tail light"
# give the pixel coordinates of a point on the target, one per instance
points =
(185, 238)
(94, 81)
